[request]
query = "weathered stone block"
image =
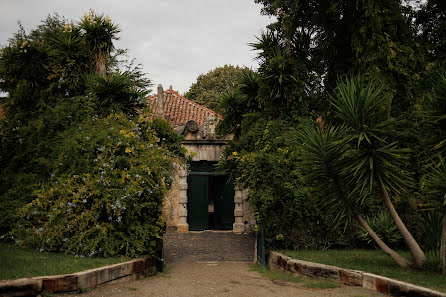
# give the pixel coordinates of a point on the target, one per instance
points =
(182, 185)
(376, 283)
(182, 197)
(238, 228)
(60, 283)
(238, 212)
(183, 228)
(139, 266)
(397, 288)
(21, 287)
(350, 278)
(94, 277)
(182, 212)
(297, 268)
(318, 270)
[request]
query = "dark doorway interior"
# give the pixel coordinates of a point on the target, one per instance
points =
(210, 198)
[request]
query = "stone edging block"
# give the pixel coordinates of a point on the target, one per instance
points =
(350, 277)
(130, 270)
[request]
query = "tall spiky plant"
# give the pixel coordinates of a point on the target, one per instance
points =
(99, 31)
(435, 179)
(323, 159)
(435, 185)
(372, 160)
(116, 93)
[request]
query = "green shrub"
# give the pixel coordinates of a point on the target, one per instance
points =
(432, 260)
(430, 224)
(105, 194)
(283, 201)
(384, 227)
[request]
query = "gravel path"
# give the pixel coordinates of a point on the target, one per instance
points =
(216, 279)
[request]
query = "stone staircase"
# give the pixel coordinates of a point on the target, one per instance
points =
(206, 246)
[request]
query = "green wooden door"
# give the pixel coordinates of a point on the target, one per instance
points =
(224, 203)
(206, 187)
(197, 202)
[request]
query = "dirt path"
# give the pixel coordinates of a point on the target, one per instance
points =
(216, 279)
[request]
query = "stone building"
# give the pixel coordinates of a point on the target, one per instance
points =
(200, 198)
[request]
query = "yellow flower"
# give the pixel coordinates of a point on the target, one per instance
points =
(234, 153)
(128, 150)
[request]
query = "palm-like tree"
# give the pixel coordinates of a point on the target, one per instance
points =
(116, 93)
(371, 160)
(323, 160)
(435, 179)
(99, 33)
(435, 115)
(435, 185)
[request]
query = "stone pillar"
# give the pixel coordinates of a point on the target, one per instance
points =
(160, 102)
(239, 226)
(182, 226)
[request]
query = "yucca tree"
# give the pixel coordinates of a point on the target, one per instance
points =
(372, 161)
(323, 154)
(115, 93)
(435, 180)
(435, 186)
(236, 104)
(435, 115)
(99, 32)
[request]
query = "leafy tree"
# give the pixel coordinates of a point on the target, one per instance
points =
(211, 86)
(371, 38)
(81, 170)
(99, 32)
(373, 161)
(435, 186)
(435, 179)
(116, 93)
(431, 25)
(104, 194)
(323, 158)
(239, 102)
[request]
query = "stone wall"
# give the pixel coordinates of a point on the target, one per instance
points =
(205, 150)
(350, 277)
(171, 203)
(126, 271)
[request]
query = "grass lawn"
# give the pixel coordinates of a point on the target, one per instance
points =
(18, 262)
(372, 261)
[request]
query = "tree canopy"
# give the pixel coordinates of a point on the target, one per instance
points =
(211, 86)
(299, 89)
(82, 167)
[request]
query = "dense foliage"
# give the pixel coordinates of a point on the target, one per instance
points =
(83, 167)
(356, 146)
(282, 198)
(209, 87)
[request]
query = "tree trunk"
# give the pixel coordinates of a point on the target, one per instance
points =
(443, 244)
(401, 261)
(101, 61)
(417, 253)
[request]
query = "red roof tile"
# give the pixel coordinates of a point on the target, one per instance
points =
(178, 110)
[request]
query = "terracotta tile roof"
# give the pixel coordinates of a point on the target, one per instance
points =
(179, 110)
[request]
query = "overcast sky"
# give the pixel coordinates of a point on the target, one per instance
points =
(175, 40)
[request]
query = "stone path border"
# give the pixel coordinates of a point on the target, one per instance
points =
(125, 271)
(350, 277)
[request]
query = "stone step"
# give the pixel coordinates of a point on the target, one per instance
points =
(206, 246)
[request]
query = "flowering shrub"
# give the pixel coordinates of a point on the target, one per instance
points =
(105, 194)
